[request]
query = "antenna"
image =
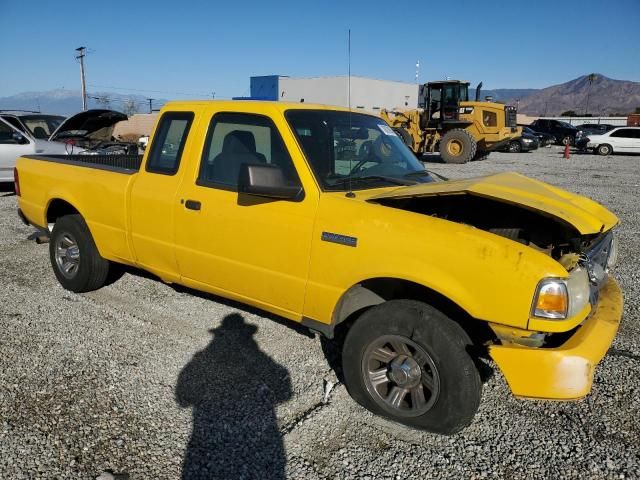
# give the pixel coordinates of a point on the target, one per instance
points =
(350, 193)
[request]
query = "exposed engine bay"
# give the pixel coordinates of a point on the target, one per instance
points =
(542, 232)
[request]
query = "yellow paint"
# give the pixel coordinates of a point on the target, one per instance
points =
(565, 372)
(269, 253)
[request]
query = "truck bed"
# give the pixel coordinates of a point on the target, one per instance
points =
(127, 164)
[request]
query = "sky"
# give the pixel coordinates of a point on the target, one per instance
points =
(191, 49)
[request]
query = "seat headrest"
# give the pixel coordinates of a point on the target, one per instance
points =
(239, 141)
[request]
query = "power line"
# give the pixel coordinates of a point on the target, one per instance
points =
(192, 94)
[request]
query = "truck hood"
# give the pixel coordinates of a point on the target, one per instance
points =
(96, 124)
(585, 215)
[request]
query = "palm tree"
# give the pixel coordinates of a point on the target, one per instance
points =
(590, 78)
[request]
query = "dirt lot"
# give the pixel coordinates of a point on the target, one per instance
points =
(153, 381)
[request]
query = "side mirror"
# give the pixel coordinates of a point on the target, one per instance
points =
(19, 138)
(265, 180)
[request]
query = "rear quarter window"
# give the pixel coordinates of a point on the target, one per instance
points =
(168, 143)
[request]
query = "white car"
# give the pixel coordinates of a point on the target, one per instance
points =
(618, 140)
(14, 143)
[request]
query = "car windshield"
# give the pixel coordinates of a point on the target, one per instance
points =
(41, 126)
(354, 151)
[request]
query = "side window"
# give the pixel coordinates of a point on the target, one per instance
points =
(6, 134)
(14, 122)
(168, 143)
(622, 133)
(237, 138)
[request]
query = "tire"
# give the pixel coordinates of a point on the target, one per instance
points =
(439, 344)
(514, 147)
(604, 149)
(74, 257)
(568, 141)
(457, 146)
(405, 137)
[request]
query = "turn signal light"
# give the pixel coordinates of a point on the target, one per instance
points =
(552, 300)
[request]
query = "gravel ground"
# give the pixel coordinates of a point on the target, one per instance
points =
(143, 380)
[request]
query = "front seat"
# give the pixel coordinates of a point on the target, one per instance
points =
(40, 133)
(238, 147)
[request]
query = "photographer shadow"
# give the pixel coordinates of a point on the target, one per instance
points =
(233, 388)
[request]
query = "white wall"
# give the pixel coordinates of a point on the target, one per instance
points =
(367, 94)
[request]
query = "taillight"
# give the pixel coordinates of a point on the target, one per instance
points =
(16, 181)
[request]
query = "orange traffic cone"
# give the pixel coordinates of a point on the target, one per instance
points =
(566, 151)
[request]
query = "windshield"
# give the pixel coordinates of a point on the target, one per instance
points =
(41, 126)
(340, 146)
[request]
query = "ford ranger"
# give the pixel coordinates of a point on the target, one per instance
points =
(323, 216)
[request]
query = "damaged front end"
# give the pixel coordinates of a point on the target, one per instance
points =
(574, 318)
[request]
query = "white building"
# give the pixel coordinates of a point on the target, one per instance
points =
(367, 94)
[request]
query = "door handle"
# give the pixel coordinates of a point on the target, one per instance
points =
(193, 204)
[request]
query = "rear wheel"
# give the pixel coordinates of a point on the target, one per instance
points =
(76, 262)
(408, 362)
(457, 146)
(605, 149)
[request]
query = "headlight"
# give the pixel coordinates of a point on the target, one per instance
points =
(559, 299)
(527, 140)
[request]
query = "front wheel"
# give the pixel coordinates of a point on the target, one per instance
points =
(408, 362)
(457, 146)
(76, 262)
(515, 147)
(568, 141)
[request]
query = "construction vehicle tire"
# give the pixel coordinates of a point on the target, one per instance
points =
(404, 136)
(457, 146)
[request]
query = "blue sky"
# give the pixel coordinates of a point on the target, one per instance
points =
(202, 47)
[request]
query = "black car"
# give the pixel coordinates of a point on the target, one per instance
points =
(596, 128)
(523, 143)
(544, 139)
(564, 132)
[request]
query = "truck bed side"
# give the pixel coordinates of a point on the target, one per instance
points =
(96, 186)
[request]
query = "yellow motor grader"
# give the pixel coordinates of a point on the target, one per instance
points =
(446, 121)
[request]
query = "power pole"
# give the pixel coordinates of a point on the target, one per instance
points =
(150, 100)
(80, 56)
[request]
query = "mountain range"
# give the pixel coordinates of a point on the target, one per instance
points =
(595, 94)
(67, 102)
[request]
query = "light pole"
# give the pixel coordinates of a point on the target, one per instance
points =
(80, 56)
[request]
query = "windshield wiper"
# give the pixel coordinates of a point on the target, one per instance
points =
(426, 172)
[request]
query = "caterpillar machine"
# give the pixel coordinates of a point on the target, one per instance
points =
(446, 121)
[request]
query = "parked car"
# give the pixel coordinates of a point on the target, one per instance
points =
(595, 128)
(14, 143)
(524, 143)
(618, 140)
(564, 133)
(412, 277)
(544, 139)
(38, 126)
(91, 132)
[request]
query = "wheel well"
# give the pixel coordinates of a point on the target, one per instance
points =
(59, 208)
(369, 293)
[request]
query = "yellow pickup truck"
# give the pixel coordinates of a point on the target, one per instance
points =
(324, 217)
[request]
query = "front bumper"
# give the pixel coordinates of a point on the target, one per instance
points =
(565, 372)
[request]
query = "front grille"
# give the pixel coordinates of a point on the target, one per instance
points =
(511, 116)
(595, 260)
